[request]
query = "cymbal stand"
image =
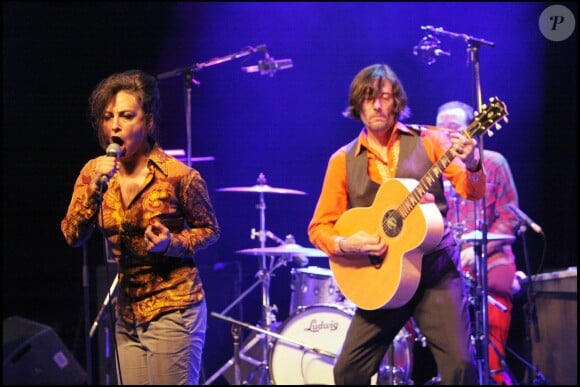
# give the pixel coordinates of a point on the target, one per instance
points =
(267, 310)
(264, 276)
(240, 353)
(236, 335)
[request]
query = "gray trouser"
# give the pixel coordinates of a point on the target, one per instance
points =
(165, 351)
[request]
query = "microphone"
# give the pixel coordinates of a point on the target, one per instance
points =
(268, 66)
(299, 260)
(428, 49)
(526, 219)
(113, 150)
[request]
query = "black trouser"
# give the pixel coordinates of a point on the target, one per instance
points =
(439, 308)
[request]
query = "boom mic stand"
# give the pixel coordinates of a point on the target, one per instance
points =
(264, 274)
(188, 79)
(480, 249)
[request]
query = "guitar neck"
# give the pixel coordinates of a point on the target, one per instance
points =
(425, 183)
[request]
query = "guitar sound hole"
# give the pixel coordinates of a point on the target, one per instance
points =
(392, 223)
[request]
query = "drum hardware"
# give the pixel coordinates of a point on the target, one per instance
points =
(324, 326)
(313, 285)
(236, 336)
(269, 310)
(286, 250)
(262, 188)
(476, 237)
(477, 287)
(266, 268)
(472, 284)
(298, 344)
(390, 372)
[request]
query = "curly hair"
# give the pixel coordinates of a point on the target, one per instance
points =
(144, 86)
(368, 83)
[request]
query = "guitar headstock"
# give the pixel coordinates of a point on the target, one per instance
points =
(487, 117)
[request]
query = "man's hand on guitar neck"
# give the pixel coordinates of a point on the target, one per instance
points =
(465, 149)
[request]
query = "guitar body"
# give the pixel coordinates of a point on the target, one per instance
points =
(391, 282)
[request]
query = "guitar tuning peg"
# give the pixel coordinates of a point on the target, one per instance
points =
(505, 119)
(490, 133)
(497, 126)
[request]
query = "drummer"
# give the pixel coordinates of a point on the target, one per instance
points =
(499, 194)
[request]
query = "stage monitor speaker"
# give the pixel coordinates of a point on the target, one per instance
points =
(554, 340)
(33, 354)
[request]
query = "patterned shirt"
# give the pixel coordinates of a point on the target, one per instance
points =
(464, 216)
(176, 195)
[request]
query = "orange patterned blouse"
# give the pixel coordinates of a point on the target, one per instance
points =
(149, 283)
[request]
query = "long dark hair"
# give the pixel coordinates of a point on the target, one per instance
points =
(368, 83)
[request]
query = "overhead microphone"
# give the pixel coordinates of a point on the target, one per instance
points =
(526, 219)
(299, 260)
(428, 49)
(269, 66)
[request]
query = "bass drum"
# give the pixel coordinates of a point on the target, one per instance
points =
(323, 327)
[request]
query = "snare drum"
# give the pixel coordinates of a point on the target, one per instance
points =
(313, 285)
(324, 327)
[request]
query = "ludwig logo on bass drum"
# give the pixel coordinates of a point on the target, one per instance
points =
(316, 326)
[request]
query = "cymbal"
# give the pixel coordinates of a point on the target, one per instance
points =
(196, 159)
(287, 249)
(180, 155)
(477, 235)
(262, 188)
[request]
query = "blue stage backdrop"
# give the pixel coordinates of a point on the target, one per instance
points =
(284, 125)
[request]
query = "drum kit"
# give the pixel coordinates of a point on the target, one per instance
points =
(302, 349)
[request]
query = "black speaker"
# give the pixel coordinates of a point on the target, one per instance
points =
(33, 354)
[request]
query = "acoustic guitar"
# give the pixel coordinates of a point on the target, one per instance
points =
(409, 227)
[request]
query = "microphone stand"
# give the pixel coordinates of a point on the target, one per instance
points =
(531, 316)
(86, 296)
(188, 79)
(480, 247)
(481, 321)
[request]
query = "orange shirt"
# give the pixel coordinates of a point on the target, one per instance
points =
(333, 200)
